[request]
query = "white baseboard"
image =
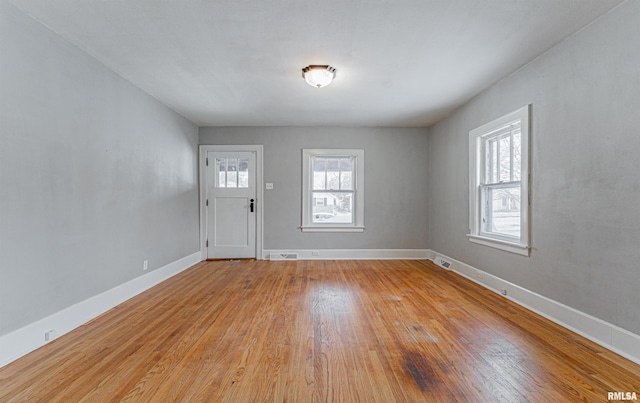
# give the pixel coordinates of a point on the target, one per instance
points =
(24, 340)
(353, 254)
(606, 334)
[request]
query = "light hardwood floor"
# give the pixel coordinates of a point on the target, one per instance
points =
(318, 331)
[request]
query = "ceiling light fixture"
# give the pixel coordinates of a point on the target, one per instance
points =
(318, 76)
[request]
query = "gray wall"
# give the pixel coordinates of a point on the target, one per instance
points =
(95, 176)
(396, 177)
(586, 186)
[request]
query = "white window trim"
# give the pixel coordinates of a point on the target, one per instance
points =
(358, 205)
(520, 246)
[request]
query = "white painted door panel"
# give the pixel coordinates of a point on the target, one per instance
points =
(231, 212)
(232, 226)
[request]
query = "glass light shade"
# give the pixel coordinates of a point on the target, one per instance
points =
(318, 76)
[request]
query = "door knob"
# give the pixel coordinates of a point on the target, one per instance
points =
(251, 205)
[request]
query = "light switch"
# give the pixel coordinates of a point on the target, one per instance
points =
(269, 186)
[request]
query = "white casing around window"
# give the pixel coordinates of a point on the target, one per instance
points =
(358, 194)
(521, 245)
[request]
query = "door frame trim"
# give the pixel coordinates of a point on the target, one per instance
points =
(203, 150)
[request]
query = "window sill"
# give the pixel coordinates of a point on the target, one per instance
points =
(507, 246)
(332, 229)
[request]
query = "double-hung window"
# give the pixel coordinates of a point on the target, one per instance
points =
(499, 183)
(333, 190)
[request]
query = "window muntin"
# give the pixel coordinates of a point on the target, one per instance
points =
(333, 198)
(498, 188)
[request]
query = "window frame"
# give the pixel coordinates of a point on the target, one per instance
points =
(477, 171)
(307, 192)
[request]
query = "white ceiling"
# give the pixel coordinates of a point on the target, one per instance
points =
(238, 62)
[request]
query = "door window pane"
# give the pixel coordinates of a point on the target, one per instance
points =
(232, 172)
(243, 173)
(221, 166)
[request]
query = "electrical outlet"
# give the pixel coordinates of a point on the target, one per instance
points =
(145, 265)
(315, 253)
(503, 291)
(49, 335)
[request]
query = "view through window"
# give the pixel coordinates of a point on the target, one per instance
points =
(499, 183)
(333, 190)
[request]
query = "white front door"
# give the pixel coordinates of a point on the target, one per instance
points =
(231, 204)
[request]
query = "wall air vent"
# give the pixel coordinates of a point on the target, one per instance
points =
(442, 263)
(283, 256)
